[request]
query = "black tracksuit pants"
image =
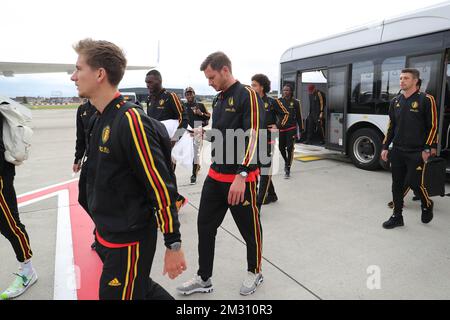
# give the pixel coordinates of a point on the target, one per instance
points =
(407, 168)
(286, 146)
(126, 271)
(314, 124)
(10, 225)
(265, 183)
(213, 207)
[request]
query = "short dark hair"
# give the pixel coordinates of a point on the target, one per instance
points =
(263, 81)
(414, 72)
(217, 61)
(154, 73)
(103, 54)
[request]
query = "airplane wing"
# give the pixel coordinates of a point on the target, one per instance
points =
(9, 69)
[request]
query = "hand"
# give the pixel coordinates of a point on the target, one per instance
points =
(433, 152)
(76, 167)
(425, 156)
(384, 155)
(198, 112)
(174, 263)
(237, 191)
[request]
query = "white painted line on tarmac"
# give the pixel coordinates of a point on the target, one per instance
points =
(65, 282)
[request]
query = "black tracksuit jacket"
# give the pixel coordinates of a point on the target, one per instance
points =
(294, 108)
(129, 176)
(195, 118)
(166, 106)
(239, 107)
(412, 123)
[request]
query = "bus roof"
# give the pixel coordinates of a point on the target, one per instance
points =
(427, 20)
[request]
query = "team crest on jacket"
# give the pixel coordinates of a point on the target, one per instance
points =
(230, 101)
(266, 105)
(105, 134)
(161, 102)
(292, 104)
(415, 105)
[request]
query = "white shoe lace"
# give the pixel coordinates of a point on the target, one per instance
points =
(196, 279)
(249, 281)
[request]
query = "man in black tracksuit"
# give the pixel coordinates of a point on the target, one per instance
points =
(315, 119)
(197, 116)
(231, 183)
(288, 127)
(413, 132)
(273, 110)
(164, 105)
(131, 187)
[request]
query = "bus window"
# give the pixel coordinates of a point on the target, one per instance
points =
(362, 88)
(429, 72)
(390, 82)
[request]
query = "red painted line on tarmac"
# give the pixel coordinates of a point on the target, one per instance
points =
(86, 261)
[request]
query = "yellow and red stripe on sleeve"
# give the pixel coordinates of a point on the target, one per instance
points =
(159, 187)
(254, 127)
(178, 105)
(286, 113)
(433, 131)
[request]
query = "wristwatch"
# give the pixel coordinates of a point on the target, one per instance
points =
(175, 246)
(243, 174)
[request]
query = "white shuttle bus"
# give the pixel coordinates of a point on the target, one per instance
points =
(359, 73)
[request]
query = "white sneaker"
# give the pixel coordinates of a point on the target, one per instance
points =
(196, 284)
(250, 283)
(20, 284)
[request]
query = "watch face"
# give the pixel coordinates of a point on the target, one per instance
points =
(175, 246)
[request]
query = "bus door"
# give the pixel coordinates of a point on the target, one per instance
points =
(336, 111)
(435, 74)
(444, 123)
(307, 81)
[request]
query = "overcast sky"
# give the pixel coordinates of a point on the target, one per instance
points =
(253, 33)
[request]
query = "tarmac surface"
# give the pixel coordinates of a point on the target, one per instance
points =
(322, 240)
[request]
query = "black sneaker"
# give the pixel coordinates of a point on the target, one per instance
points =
(427, 213)
(287, 172)
(394, 221)
(193, 179)
(270, 198)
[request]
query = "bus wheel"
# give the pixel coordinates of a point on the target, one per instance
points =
(365, 149)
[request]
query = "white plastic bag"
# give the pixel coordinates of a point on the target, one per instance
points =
(183, 151)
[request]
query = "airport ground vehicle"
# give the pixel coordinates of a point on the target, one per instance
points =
(359, 73)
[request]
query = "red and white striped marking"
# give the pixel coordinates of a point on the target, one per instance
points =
(77, 267)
